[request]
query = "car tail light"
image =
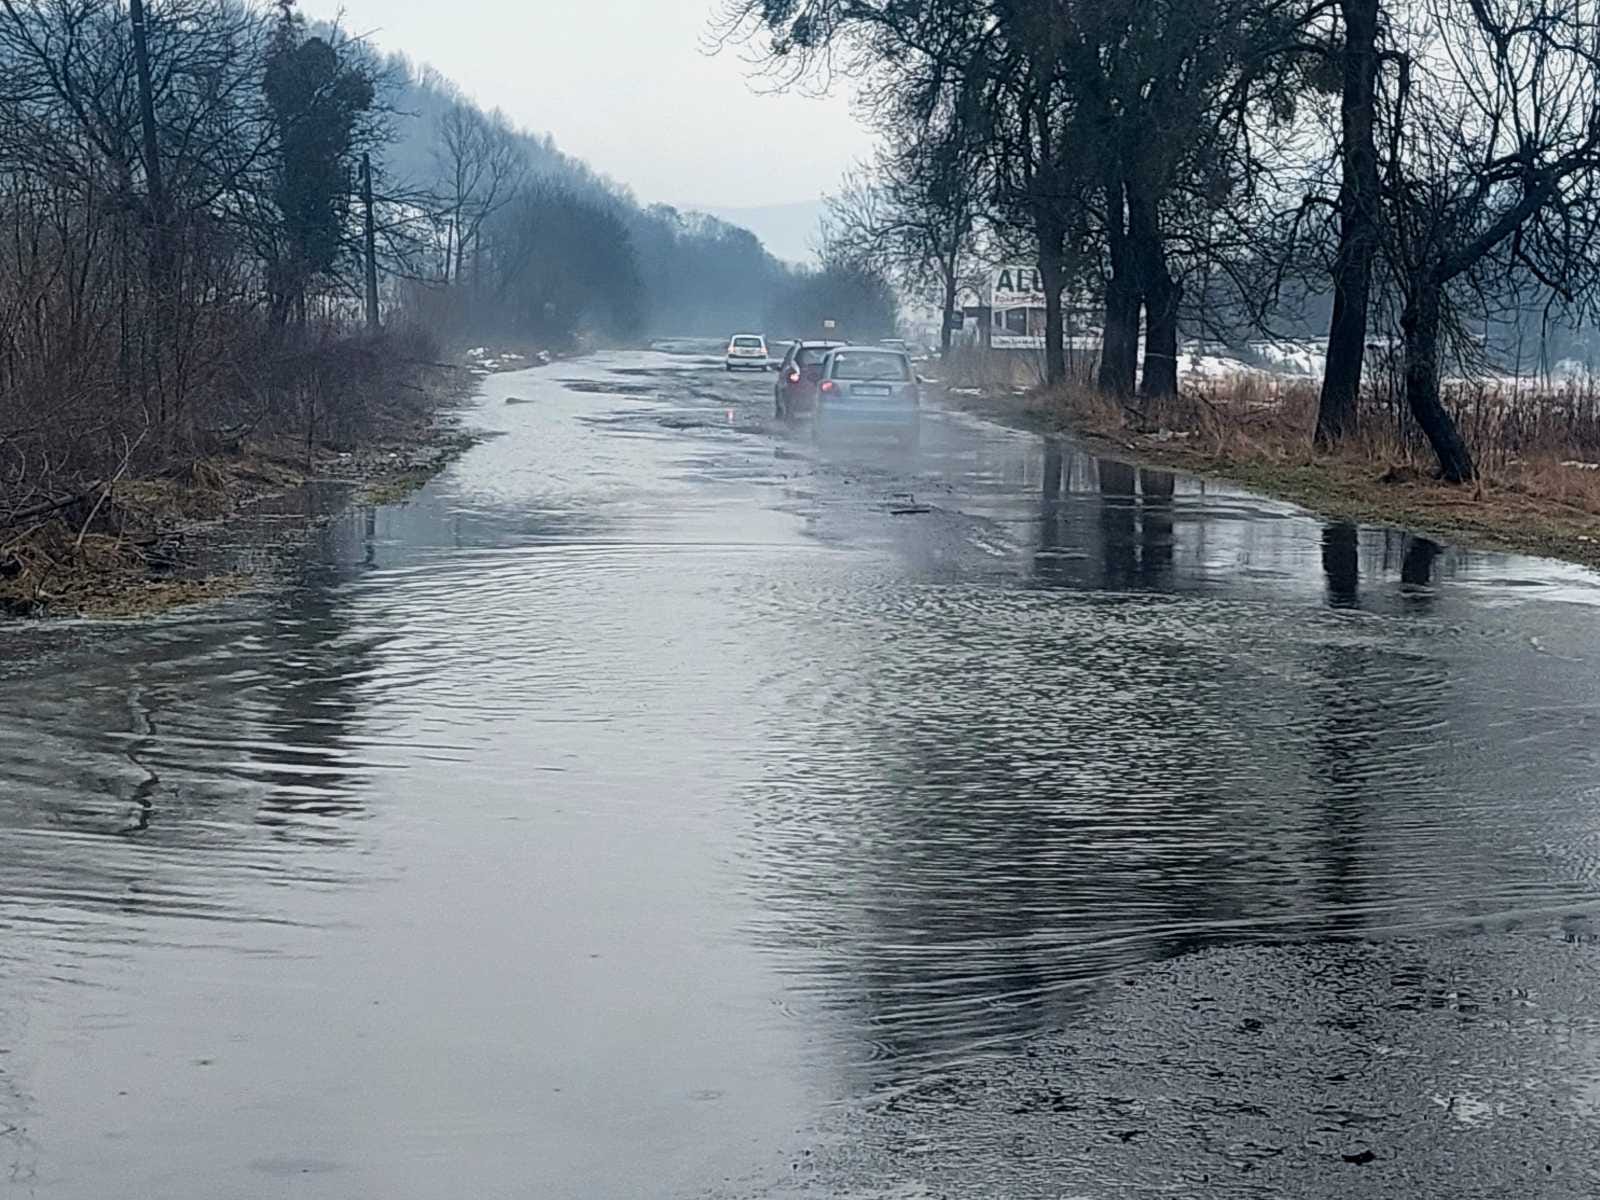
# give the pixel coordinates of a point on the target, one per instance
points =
(827, 385)
(794, 376)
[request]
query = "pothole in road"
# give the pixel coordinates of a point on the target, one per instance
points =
(595, 388)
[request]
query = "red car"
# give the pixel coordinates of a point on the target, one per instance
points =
(795, 393)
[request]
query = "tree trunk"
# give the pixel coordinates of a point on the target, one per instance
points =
(1420, 325)
(1161, 297)
(369, 242)
(1119, 352)
(1338, 411)
(1052, 273)
(463, 235)
(952, 290)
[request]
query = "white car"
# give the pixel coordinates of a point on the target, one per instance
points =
(747, 351)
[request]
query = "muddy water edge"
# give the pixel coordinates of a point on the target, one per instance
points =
(659, 804)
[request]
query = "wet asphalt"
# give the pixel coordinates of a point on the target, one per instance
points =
(663, 805)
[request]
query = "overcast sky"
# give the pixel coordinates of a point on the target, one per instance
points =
(625, 85)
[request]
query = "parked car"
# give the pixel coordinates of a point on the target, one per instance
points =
(746, 352)
(863, 388)
(795, 393)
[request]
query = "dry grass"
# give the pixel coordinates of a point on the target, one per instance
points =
(1258, 432)
(59, 565)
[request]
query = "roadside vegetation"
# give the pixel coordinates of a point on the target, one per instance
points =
(1412, 184)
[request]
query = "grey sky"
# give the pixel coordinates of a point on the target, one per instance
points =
(625, 85)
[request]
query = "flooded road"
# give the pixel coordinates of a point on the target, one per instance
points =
(658, 807)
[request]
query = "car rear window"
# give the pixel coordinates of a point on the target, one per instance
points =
(871, 365)
(810, 356)
(748, 343)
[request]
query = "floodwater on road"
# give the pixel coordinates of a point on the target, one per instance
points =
(658, 805)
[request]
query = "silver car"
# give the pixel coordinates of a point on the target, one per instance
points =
(867, 388)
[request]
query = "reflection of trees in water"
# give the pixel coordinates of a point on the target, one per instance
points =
(986, 862)
(1107, 525)
(1157, 516)
(1341, 562)
(1119, 525)
(1416, 570)
(1034, 798)
(299, 711)
(1120, 536)
(1343, 740)
(1416, 560)
(1362, 763)
(311, 706)
(187, 733)
(1029, 799)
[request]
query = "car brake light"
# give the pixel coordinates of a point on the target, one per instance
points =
(827, 385)
(794, 376)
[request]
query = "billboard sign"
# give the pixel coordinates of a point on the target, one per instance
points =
(1016, 287)
(1017, 302)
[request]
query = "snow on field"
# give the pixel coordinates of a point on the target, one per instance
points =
(1307, 359)
(1211, 364)
(1570, 370)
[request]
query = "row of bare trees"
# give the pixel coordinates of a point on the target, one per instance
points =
(1192, 163)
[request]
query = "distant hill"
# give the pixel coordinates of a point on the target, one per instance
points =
(788, 231)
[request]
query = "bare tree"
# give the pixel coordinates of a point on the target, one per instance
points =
(916, 210)
(1493, 149)
(481, 165)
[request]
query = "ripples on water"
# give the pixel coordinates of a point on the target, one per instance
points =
(982, 803)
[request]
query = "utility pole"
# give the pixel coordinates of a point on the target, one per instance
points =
(371, 241)
(160, 220)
